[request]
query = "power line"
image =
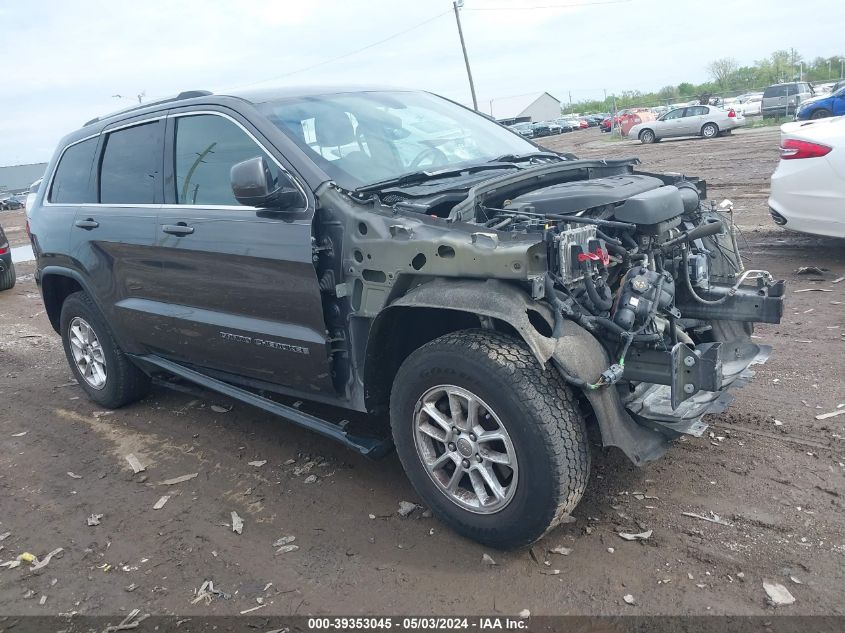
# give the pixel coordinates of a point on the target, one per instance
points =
(548, 6)
(350, 53)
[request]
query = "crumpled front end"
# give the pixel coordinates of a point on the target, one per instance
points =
(652, 305)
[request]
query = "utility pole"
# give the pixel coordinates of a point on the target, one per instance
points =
(456, 5)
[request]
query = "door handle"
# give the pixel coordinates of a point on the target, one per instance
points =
(177, 229)
(88, 224)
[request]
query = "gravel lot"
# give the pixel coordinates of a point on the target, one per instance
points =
(770, 470)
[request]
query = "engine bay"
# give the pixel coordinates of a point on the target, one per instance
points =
(650, 269)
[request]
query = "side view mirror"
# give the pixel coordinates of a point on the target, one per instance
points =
(254, 185)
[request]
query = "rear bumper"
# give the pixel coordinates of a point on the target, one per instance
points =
(808, 196)
(734, 123)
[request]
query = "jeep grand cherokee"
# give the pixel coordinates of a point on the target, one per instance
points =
(390, 251)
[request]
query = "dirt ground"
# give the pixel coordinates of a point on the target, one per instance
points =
(768, 468)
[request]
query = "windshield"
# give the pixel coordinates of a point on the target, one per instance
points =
(360, 138)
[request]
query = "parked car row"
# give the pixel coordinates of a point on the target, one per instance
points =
(560, 125)
(797, 98)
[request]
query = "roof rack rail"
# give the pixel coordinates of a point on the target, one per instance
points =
(187, 94)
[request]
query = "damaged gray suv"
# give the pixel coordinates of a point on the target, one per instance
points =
(391, 252)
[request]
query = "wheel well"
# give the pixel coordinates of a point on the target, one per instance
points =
(55, 289)
(398, 332)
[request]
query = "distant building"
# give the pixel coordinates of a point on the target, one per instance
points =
(538, 106)
(18, 178)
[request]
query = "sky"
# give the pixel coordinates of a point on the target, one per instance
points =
(63, 63)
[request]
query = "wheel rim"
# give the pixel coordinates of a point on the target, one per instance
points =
(465, 449)
(648, 137)
(709, 131)
(87, 353)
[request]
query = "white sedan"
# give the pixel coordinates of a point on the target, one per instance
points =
(808, 186)
(706, 121)
(752, 106)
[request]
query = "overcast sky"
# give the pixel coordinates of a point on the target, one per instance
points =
(61, 63)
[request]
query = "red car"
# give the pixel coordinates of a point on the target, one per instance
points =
(604, 126)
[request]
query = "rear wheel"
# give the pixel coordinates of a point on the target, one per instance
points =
(821, 114)
(491, 441)
(646, 137)
(709, 130)
(8, 277)
(99, 365)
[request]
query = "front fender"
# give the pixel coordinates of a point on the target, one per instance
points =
(489, 298)
(577, 352)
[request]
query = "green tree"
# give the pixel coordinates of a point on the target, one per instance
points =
(686, 89)
(668, 93)
(722, 70)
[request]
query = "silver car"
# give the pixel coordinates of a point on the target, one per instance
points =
(699, 120)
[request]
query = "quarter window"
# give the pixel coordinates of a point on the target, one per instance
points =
(70, 183)
(129, 173)
(207, 146)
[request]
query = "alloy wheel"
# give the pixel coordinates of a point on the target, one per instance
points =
(465, 449)
(87, 353)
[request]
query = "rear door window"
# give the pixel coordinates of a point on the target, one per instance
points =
(207, 146)
(71, 181)
(131, 165)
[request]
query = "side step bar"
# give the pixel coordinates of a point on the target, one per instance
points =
(370, 447)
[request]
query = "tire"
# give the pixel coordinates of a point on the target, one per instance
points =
(647, 136)
(709, 130)
(821, 113)
(8, 278)
(121, 381)
(540, 418)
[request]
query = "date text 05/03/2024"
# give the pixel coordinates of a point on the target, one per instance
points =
(431, 623)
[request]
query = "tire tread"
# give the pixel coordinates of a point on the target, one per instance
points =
(131, 384)
(8, 278)
(543, 393)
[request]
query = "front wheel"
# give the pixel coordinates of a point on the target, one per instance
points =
(491, 441)
(709, 130)
(821, 114)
